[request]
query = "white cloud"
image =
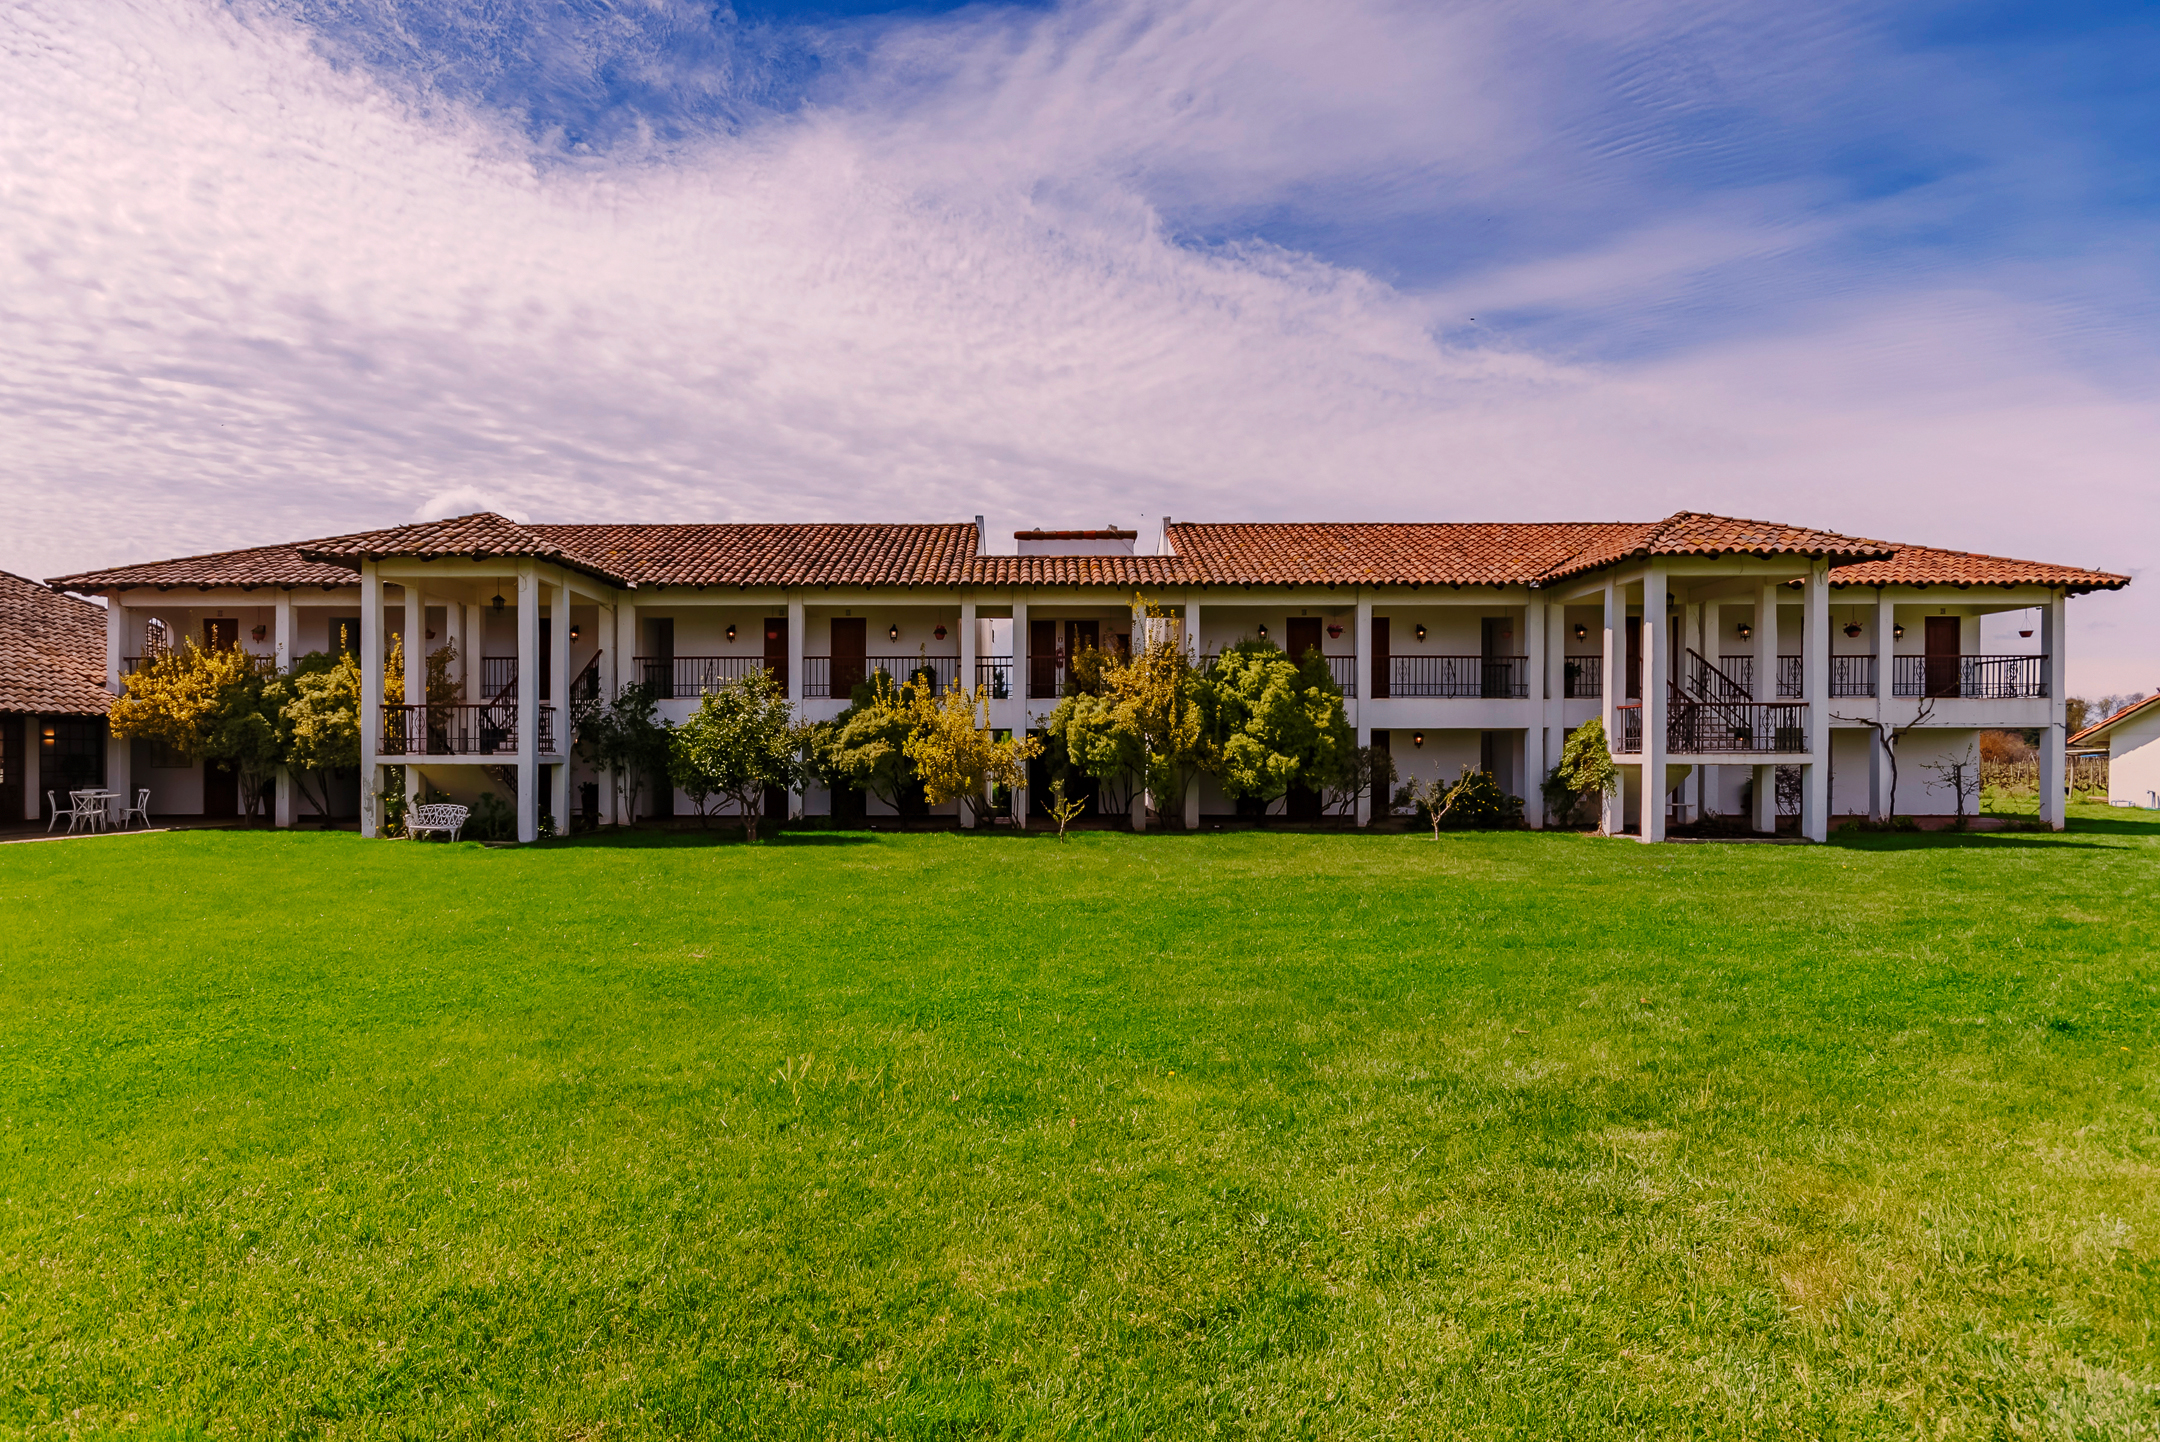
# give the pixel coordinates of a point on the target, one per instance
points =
(250, 296)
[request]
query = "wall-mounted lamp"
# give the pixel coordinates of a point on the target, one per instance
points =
(1334, 633)
(939, 633)
(1263, 633)
(1421, 630)
(1852, 628)
(1417, 738)
(497, 603)
(573, 632)
(1745, 630)
(731, 631)
(1897, 633)
(892, 633)
(1582, 632)
(259, 631)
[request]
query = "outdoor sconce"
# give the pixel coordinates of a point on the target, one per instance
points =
(1417, 738)
(892, 633)
(257, 633)
(731, 631)
(1745, 630)
(1421, 630)
(939, 633)
(497, 603)
(1582, 632)
(1897, 633)
(1852, 628)
(1263, 633)
(1334, 633)
(573, 633)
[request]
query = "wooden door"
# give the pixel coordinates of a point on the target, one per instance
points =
(1303, 634)
(547, 662)
(221, 633)
(1081, 636)
(12, 731)
(344, 635)
(1634, 658)
(1380, 661)
(850, 645)
(659, 664)
(776, 651)
(1042, 659)
(220, 790)
(1496, 656)
(1944, 641)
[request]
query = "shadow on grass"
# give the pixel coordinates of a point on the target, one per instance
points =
(657, 839)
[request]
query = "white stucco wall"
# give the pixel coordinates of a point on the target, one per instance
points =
(2134, 760)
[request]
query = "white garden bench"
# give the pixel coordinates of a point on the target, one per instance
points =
(440, 816)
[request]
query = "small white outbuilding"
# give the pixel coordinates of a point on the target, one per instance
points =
(2132, 739)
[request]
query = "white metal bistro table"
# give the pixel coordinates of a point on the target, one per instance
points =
(104, 799)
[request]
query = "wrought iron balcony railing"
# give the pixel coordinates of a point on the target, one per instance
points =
(460, 729)
(1721, 728)
(1971, 678)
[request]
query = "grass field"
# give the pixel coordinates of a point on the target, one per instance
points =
(1273, 1135)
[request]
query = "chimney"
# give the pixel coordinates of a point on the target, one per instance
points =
(982, 538)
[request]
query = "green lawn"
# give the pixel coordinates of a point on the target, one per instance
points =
(862, 1135)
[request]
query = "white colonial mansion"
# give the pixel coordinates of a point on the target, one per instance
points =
(1767, 646)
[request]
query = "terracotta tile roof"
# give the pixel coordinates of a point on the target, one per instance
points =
(256, 566)
(1122, 572)
(813, 554)
(2101, 727)
(482, 536)
(1383, 554)
(1692, 533)
(1929, 566)
(52, 651)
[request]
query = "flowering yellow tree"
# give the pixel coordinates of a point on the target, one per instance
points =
(957, 758)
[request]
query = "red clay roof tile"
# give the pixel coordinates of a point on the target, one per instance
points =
(52, 651)
(1930, 566)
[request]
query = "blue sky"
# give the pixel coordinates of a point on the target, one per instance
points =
(291, 266)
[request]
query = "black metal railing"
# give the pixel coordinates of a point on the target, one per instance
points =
(1741, 669)
(129, 665)
(994, 674)
(836, 677)
(1342, 670)
(691, 676)
(1720, 728)
(460, 729)
(498, 675)
(1706, 682)
(1852, 675)
(1582, 678)
(1459, 676)
(1971, 678)
(1791, 678)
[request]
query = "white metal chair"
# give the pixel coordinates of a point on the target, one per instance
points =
(84, 812)
(445, 817)
(140, 810)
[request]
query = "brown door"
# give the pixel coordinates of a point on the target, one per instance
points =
(1303, 634)
(1380, 665)
(1497, 656)
(1042, 659)
(547, 663)
(776, 650)
(849, 647)
(220, 790)
(1634, 658)
(1081, 636)
(1943, 641)
(221, 634)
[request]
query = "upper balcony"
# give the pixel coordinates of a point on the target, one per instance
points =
(488, 728)
(1699, 728)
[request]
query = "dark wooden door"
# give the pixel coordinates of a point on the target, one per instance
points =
(1380, 661)
(1944, 639)
(659, 677)
(547, 661)
(12, 755)
(1081, 636)
(776, 650)
(344, 635)
(1042, 659)
(1497, 656)
(220, 790)
(1303, 634)
(850, 645)
(1634, 658)
(221, 633)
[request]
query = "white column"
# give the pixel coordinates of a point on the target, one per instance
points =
(1657, 674)
(1534, 648)
(1765, 819)
(968, 651)
(416, 654)
(559, 686)
(1614, 802)
(797, 645)
(284, 622)
(626, 674)
(1361, 668)
(372, 642)
(2054, 644)
(1020, 699)
(1815, 683)
(1710, 778)
(116, 626)
(528, 703)
(1766, 639)
(1881, 804)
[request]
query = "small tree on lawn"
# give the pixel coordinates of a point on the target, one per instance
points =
(1585, 769)
(319, 722)
(865, 746)
(1962, 775)
(957, 758)
(1273, 723)
(1064, 812)
(627, 739)
(1887, 737)
(741, 740)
